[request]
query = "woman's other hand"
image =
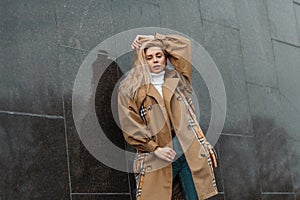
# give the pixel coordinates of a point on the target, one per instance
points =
(165, 153)
(139, 39)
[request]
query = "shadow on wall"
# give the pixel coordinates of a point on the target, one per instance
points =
(272, 155)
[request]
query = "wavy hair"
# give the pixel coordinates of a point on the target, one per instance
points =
(139, 74)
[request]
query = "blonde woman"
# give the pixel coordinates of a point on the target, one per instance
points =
(157, 119)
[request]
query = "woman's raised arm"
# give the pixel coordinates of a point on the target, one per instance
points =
(179, 50)
(180, 53)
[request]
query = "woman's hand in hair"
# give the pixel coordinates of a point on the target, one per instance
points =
(165, 153)
(139, 40)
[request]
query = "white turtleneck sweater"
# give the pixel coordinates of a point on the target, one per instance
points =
(157, 80)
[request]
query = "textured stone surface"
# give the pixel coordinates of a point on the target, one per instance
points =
(278, 196)
(239, 168)
(287, 60)
(223, 46)
(223, 12)
(44, 43)
(295, 165)
(297, 13)
(30, 80)
(83, 24)
(292, 118)
(183, 17)
(265, 104)
(255, 42)
(134, 14)
(87, 173)
(33, 158)
(280, 12)
(269, 132)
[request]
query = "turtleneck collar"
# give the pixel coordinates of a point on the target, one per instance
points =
(157, 79)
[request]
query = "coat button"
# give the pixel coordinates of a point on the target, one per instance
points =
(203, 154)
(150, 107)
(149, 167)
(179, 98)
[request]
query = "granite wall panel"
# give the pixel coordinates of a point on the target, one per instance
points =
(280, 12)
(223, 12)
(33, 158)
(28, 58)
(222, 43)
(255, 44)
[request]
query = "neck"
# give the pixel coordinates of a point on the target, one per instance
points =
(157, 78)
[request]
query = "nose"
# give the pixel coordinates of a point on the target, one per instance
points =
(154, 59)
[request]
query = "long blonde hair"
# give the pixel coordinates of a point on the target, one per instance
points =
(139, 74)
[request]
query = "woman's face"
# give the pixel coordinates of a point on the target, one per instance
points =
(156, 59)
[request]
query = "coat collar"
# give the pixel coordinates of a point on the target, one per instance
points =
(168, 89)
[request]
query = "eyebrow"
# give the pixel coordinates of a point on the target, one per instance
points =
(155, 54)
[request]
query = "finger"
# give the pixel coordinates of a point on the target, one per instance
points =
(137, 44)
(172, 152)
(171, 156)
(168, 159)
(137, 40)
(134, 46)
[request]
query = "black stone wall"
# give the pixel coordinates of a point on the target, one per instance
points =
(255, 44)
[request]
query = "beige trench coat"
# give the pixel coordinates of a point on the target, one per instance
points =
(161, 115)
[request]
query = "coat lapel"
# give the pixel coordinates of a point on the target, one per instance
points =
(170, 84)
(155, 94)
(169, 87)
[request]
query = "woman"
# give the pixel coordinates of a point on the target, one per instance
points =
(158, 120)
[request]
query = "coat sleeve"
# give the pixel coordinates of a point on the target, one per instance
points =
(133, 127)
(180, 53)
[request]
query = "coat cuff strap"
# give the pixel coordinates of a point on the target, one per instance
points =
(151, 145)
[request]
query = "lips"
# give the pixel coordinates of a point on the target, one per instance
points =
(156, 66)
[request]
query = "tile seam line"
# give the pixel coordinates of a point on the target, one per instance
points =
(67, 146)
(220, 24)
(261, 85)
(297, 3)
(241, 54)
(286, 43)
(74, 48)
(278, 193)
(31, 114)
(201, 17)
(236, 135)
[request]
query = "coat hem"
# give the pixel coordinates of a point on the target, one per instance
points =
(206, 196)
